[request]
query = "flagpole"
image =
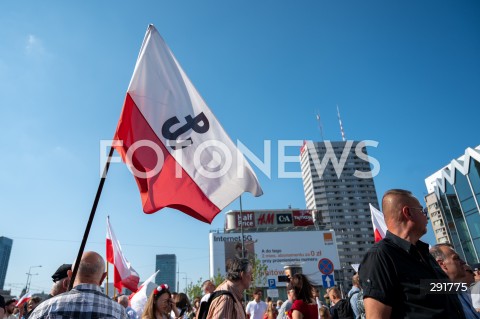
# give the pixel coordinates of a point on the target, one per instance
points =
(243, 240)
(241, 228)
(106, 265)
(106, 253)
(90, 219)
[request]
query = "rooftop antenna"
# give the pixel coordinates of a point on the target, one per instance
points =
(320, 127)
(341, 126)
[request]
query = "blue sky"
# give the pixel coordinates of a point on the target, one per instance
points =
(404, 73)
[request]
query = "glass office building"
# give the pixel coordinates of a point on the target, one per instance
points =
(5, 250)
(167, 264)
(453, 204)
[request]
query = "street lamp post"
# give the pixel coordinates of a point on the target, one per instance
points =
(178, 279)
(186, 278)
(29, 277)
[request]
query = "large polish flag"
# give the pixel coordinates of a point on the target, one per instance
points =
(179, 153)
(139, 298)
(378, 221)
(124, 275)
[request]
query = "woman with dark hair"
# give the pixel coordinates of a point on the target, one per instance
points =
(184, 306)
(304, 306)
(160, 304)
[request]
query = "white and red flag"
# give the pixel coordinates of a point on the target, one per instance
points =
(179, 153)
(378, 221)
(139, 298)
(25, 298)
(124, 275)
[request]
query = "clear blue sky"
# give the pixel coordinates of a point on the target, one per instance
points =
(404, 73)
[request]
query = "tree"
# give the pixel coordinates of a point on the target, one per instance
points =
(194, 290)
(218, 278)
(259, 274)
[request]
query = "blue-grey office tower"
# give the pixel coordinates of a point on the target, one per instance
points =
(167, 264)
(5, 250)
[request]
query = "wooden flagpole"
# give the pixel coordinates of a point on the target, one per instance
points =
(106, 265)
(241, 228)
(90, 219)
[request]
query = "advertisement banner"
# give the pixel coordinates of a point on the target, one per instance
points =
(302, 218)
(276, 250)
(245, 220)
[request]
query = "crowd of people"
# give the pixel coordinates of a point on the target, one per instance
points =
(86, 299)
(399, 277)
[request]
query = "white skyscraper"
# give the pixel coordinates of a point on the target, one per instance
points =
(337, 181)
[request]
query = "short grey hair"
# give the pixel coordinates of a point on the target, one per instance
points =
(236, 267)
(437, 253)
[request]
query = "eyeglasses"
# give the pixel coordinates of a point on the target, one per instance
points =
(424, 210)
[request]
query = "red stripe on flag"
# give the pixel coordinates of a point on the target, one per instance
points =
(110, 256)
(377, 235)
(163, 189)
(117, 280)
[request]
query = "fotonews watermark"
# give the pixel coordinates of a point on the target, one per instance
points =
(215, 159)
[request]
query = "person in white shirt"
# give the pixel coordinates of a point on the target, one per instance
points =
(208, 287)
(257, 307)
(475, 288)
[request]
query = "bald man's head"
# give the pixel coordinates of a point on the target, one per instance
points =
(91, 269)
(392, 203)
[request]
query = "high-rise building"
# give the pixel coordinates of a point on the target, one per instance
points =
(437, 219)
(5, 250)
(453, 204)
(337, 180)
(167, 264)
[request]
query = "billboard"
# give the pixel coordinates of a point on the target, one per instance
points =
(313, 250)
(269, 218)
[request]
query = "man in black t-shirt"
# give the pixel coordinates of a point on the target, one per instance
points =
(341, 308)
(396, 273)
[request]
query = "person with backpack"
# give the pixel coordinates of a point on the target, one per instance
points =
(225, 301)
(287, 304)
(341, 308)
(353, 295)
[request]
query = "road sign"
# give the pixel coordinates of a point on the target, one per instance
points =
(328, 281)
(272, 284)
(272, 293)
(325, 266)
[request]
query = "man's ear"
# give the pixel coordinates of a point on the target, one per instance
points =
(66, 282)
(441, 263)
(69, 274)
(406, 213)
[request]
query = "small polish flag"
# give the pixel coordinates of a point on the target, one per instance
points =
(139, 298)
(25, 298)
(124, 275)
(378, 221)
